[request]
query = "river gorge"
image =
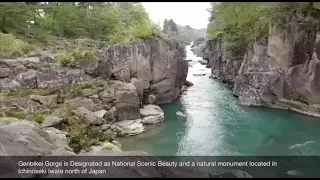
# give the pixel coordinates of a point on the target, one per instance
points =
(217, 126)
(102, 88)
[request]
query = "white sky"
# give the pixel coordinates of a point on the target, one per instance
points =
(194, 14)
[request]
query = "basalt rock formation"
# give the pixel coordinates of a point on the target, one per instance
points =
(48, 107)
(157, 63)
(284, 73)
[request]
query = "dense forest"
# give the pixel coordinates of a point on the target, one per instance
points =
(42, 22)
(244, 22)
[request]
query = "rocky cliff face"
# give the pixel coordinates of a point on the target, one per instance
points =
(108, 95)
(284, 73)
(223, 68)
(156, 64)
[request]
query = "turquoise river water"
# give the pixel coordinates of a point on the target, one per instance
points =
(217, 126)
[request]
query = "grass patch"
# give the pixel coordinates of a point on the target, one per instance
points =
(81, 135)
(19, 93)
(15, 114)
(76, 89)
(145, 30)
(48, 91)
(66, 60)
(79, 53)
(12, 47)
(39, 117)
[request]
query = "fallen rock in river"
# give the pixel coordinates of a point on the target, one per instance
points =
(181, 116)
(203, 62)
(184, 88)
(150, 110)
(188, 83)
(202, 74)
(151, 114)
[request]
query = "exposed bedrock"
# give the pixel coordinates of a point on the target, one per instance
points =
(284, 73)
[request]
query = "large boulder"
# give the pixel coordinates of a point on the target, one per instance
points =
(110, 115)
(140, 85)
(82, 102)
(5, 72)
(152, 99)
(96, 66)
(151, 114)
(203, 62)
(49, 101)
(129, 127)
(181, 116)
(95, 118)
(28, 79)
(51, 120)
(58, 138)
(24, 138)
(127, 101)
(154, 61)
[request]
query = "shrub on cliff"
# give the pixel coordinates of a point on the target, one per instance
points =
(12, 46)
(73, 58)
(145, 30)
(81, 135)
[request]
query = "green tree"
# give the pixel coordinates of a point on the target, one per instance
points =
(244, 22)
(114, 22)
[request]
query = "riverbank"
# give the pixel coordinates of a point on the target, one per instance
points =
(88, 98)
(217, 126)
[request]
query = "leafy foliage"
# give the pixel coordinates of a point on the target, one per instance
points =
(114, 22)
(244, 22)
(73, 58)
(39, 117)
(81, 135)
(11, 46)
(76, 89)
(66, 60)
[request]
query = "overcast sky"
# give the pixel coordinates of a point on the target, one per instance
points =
(194, 14)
